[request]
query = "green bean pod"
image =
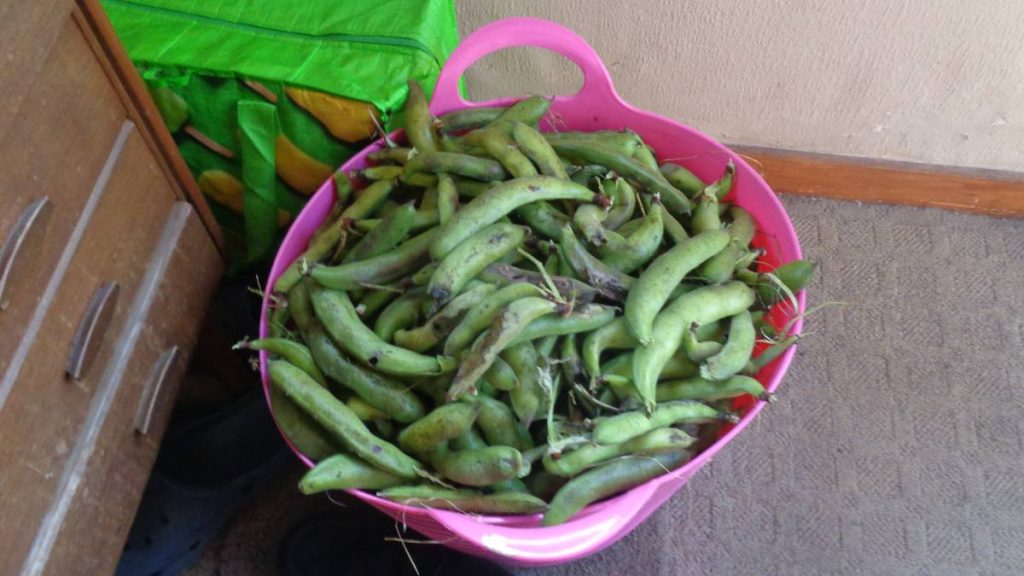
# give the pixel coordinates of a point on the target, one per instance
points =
(628, 425)
(501, 147)
(470, 257)
(498, 424)
(472, 188)
(702, 305)
(401, 313)
(705, 213)
(343, 472)
(481, 467)
(771, 353)
(721, 187)
(384, 172)
(584, 318)
(585, 174)
(347, 330)
(661, 277)
(631, 226)
(320, 247)
(364, 410)
(528, 111)
(697, 388)
(381, 269)
(370, 199)
(428, 200)
(342, 189)
(419, 124)
(444, 423)
(795, 275)
(419, 180)
(550, 265)
(425, 337)
(606, 480)
(447, 198)
(655, 441)
(393, 229)
(682, 179)
(644, 155)
(300, 428)
(628, 167)
(678, 366)
(375, 300)
(748, 259)
(397, 154)
(503, 331)
(620, 365)
(497, 202)
(469, 118)
(544, 484)
(387, 395)
(623, 142)
(528, 397)
(736, 352)
(514, 485)
(628, 254)
(465, 501)
(673, 228)
(696, 349)
(300, 305)
(537, 149)
(501, 376)
(340, 421)
(611, 283)
(455, 163)
(278, 321)
(543, 218)
(480, 316)
(461, 145)
(741, 230)
(294, 352)
(471, 440)
(623, 205)
(423, 219)
(612, 336)
(588, 218)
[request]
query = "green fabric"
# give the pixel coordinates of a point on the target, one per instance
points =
(196, 55)
(258, 124)
(362, 49)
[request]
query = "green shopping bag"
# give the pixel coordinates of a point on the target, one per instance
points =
(265, 99)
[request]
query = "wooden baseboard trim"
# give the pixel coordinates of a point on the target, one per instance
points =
(863, 180)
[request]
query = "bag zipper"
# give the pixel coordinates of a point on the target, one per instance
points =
(410, 43)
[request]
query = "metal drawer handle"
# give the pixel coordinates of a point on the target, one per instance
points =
(152, 394)
(34, 216)
(91, 330)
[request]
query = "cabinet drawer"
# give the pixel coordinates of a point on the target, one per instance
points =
(47, 391)
(119, 444)
(53, 153)
(29, 30)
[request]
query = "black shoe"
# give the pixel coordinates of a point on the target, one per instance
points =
(206, 471)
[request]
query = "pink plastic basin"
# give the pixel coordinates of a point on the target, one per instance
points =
(519, 540)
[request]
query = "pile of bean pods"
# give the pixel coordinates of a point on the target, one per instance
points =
(500, 321)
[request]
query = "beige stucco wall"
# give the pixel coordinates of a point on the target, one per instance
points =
(937, 81)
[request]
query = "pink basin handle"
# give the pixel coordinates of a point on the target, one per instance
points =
(512, 32)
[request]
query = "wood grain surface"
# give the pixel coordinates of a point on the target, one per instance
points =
(983, 192)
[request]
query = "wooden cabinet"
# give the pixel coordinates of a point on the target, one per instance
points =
(108, 262)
